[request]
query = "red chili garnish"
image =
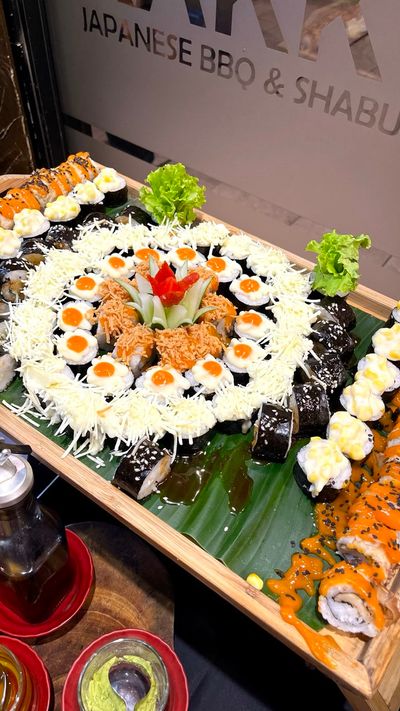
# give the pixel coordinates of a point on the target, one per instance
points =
(167, 288)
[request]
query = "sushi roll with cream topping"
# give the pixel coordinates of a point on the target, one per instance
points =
(64, 210)
(382, 375)
(140, 472)
(10, 244)
(209, 375)
(75, 314)
(322, 470)
(253, 325)
(109, 375)
(86, 287)
(249, 291)
(30, 223)
(386, 342)
(239, 355)
(162, 382)
(89, 197)
(360, 400)
(272, 433)
(353, 437)
(113, 185)
(77, 348)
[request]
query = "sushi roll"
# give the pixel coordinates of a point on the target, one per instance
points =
(239, 355)
(87, 287)
(142, 256)
(349, 600)
(116, 265)
(31, 223)
(13, 275)
(207, 237)
(140, 472)
(209, 375)
(4, 315)
(338, 307)
(236, 409)
(99, 220)
(328, 369)
(82, 163)
(135, 347)
(33, 251)
(360, 400)
(333, 337)
(321, 470)
(134, 214)
(394, 316)
(113, 185)
(226, 270)
(162, 382)
(221, 316)
(310, 406)
(75, 314)
(253, 325)
(89, 197)
(7, 370)
(382, 375)
(64, 210)
(177, 257)
(10, 244)
(386, 342)
(249, 292)
(191, 421)
(237, 247)
(61, 237)
(272, 433)
(353, 437)
(77, 348)
(110, 376)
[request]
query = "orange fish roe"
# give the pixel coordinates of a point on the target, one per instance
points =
(109, 289)
(138, 340)
(205, 273)
(182, 347)
(115, 317)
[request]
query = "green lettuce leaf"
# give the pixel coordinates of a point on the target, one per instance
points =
(337, 268)
(172, 194)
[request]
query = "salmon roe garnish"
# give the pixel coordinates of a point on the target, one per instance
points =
(162, 377)
(242, 350)
(216, 264)
(251, 318)
(77, 343)
(116, 262)
(146, 253)
(213, 368)
(85, 283)
(72, 316)
(104, 369)
(249, 285)
(186, 253)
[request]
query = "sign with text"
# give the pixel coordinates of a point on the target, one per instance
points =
(250, 92)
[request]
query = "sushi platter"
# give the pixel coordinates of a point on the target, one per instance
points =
(189, 365)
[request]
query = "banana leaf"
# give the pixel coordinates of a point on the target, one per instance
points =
(249, 516)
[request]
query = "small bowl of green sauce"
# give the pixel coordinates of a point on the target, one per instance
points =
(95, 692)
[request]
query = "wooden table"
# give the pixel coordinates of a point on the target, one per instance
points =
(367, 672)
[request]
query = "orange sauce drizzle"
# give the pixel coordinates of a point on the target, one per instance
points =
(104, 369)
(249, 285)
(77, 343)
(359, 580)
(72, 316)
(85, 283)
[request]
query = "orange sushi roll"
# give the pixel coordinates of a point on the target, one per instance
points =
(6, 214)
(26, 196)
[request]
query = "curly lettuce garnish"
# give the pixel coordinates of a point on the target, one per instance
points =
(172, 194)
(336, 270)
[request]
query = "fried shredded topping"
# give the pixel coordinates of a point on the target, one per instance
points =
(115, 316)
(222, 309)
(109, 289)
(182, 347)
(137, 340)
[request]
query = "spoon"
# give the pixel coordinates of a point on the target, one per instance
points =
(130, 682)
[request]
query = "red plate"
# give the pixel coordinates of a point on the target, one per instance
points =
(178, 699)
(36, 670)
(82, 572)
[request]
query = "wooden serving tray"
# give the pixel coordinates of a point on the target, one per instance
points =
(367, 672)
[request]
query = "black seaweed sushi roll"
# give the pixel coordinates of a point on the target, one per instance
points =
(333, 337)
(13, 275)
(310, 406)
(63, 211)
(272, 433)
(136, 214)
(321, 470)
(329, 370)
(338, 307)
(33, 251)
(113, 185)
(61, 236)
(140, 472)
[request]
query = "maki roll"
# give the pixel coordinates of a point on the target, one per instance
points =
(310, 406)
(333, 337)
(338, 307)
(328, 369)
(134, 214)
(239, 356)
(272, 433)
(135, 347)
(237, 247)
(89, 197)
(33, 251)
(236, 409)
(10, 244)
(221, 316)
(207, 237)
(163, 383)
(110, 376)
(113, 185)
(87, 287)
(382, 375)
(31, 223)
(249, 292)
(78, 347)
(178, 257)
(353, 437)
(321, 470)
(394, 316)
(64, 210)
(362, 402)
(191, 421)
(386, 342)
(116, 265)
(209, 375)
(13, 275)
(75, 314)
(226, 270)
(140, 472)
(253, 325)
(98, 219)
(7, 370)
(61, 236)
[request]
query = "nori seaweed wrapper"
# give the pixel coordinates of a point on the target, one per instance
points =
(333, 337)
(143, 469)
(272, 433)
(310, 406)
(328, 370)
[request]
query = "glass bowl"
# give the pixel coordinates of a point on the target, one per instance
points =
(120, 649)
(16, 688)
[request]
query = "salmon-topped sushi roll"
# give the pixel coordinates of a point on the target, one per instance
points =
(38, 188)
(83, 163)
(7, 213)
(25, 196)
